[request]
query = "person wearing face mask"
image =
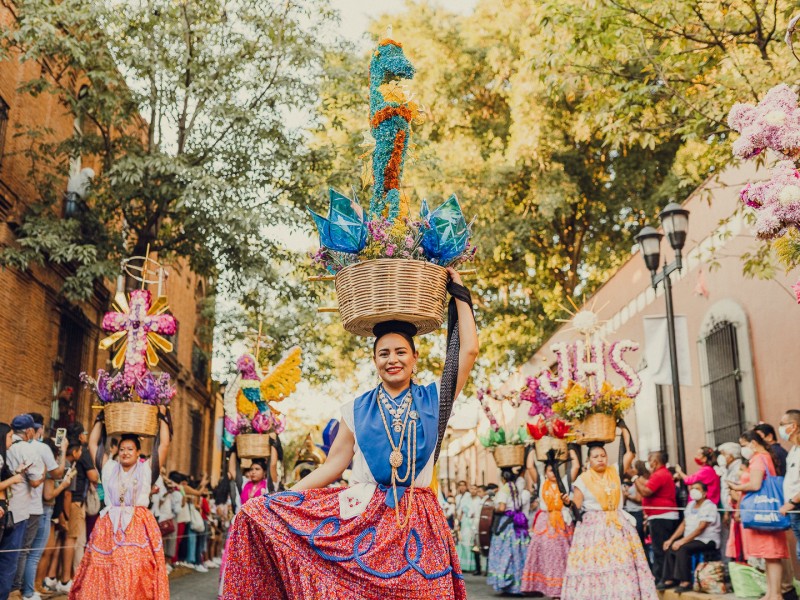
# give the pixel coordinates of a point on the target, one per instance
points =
(789, 431)
(729, 462)
(124, 556)
(767, 432)
(659, 503)
(705, 459)
(698, 533)
(769, 545)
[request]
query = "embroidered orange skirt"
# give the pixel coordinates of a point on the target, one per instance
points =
(128, 565)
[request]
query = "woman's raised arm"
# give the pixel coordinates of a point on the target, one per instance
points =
(468, 337)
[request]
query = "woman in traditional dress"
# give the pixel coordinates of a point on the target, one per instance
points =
(551, 535)
(606, 560)
(510, 540)
(386, 535)
(758, 543)
(124, 557)
(467, 529)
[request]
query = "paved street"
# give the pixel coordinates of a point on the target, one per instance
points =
(202, 586)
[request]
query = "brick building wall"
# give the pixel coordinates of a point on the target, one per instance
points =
(46, 340)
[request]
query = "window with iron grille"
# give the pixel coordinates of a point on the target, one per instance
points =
(3, 127)
(724, 386)
(197, 432)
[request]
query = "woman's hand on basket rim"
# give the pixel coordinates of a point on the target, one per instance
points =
(455, 276)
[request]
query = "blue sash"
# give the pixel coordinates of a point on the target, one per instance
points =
(371, 433)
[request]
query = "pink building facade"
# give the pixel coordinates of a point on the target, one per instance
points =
(737, 335)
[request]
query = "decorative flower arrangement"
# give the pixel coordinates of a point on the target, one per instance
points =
(541, 402)
(144, 324)
(497, 435)
(141, 323)
(347, 235)
(246, 402)
(150, 389)
(578, 402)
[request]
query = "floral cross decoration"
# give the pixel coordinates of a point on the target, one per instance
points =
(142, 324)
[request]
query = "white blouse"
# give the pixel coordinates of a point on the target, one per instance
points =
(137, 480)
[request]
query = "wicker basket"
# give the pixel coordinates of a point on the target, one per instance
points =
(252, 445)
(548, 443)
(596, 428)
(131, 417)
(509, 455)
(385, 289)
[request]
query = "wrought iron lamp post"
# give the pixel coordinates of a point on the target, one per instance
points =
(675, 223)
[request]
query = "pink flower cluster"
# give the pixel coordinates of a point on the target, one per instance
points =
(137, 323)
(776, 200)
(773, 123)
(541, 403)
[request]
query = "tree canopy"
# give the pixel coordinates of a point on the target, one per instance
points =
(185, 107)
(563, 128)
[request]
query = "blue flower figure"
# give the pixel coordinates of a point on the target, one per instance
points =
(447, 233)
(345, 229)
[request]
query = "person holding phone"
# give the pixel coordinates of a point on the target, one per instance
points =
(41, 514)
(23, 459)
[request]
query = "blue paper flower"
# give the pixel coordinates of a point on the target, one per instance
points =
(446, 236)
(345, 229)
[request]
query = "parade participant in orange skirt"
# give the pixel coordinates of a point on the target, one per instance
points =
(385, 537)
(124, 557)
(551, 535)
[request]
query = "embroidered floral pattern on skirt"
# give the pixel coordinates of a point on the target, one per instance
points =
(293, 545)
(607, 562)
(507, 560)
(128, 565)
(547, 557)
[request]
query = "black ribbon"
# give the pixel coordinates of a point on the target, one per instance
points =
(624, 446)
(447, 389)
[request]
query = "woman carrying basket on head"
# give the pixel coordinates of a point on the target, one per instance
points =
(385, 536)
(606, 560)
(124, 556)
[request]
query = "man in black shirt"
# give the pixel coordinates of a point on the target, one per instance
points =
(767, 432)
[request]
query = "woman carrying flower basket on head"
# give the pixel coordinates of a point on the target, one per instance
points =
(510, 540)
(124, 556)
(385, 536)
(606, 560)
(551, 535)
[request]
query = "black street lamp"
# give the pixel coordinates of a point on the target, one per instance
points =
(675, 222)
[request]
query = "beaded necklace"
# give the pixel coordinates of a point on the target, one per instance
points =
(396, 459)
